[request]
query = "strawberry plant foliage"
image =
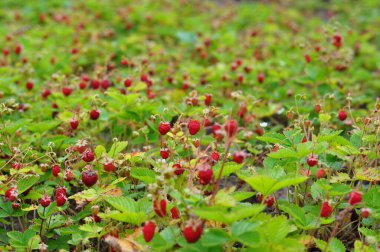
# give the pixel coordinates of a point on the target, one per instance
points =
(174, 126)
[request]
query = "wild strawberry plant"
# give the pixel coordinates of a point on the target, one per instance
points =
(189, 126)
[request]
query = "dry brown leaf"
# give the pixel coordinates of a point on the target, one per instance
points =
(123, 245)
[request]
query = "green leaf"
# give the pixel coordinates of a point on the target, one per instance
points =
(336, 245)
(99, 150)
(214, 237)
(283, 153)
(129, 217)
(245, 232)
(225, 215)
(143, 174)
(116, 148)
(27, 182)
(371, 198)
(267, 185)
(122, 204)
(274, 138)
(229, 167)
(43, 126)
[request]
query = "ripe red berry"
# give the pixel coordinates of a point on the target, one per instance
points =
(45, 201)
(60, 199)
(312, 160)
(109, 166)
(208, 98)
(215, 156)
(106, 84)
(355, 197)
(238, 156)
(193, 126)
(307, 58)
(365, 212)
(127, 82)
(259, 131)
(178, 170)
(66, 91)
(326, 209)
(160, 207)
(320, 173)
(342, 115)
(82, 85)
(164, 127)
(260, 78)
(11, 194)
(317, 108)
(95, 84)
(148, 230)
(192, 232)
(89, 177)
(68, 175)
(174, 212)
(88, 156)
(231, 127)
(46, 93)
(337, 41)
(269, 201)
(15, 205)
(94, 114)
(29, 85)
(124, 62)
(55, 170)
(304, 139)
(205, 174)
(16, 165)
(18, 49)
(60, 191)
(74, 123)
(164, 153)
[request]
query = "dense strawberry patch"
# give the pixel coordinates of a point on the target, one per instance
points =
(189, 126)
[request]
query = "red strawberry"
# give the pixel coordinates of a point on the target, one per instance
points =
(106, 84)
(160, 207)
(326, 209)
(312, 160)
(307, 58)
(342, 115)
(88, 156)
(68, 175)
(216, 131)
(269, 201)
(164, 153)
(29, 85)
(365, 212)
(18, 49)
(321, 173)
(94, 114)
(66, 91)
(16, 165)
(89, 177)
(109, 166)
(45, 201)
(164, 127)
(124, 62)
(46, 93)
(205, 174)
(192, 231)
(240, 78)
(259, 131)
(82, 85)
(304, 139)
(231, 127)
(206, 122)
(337, 41)
(242, 110)
(174, 212)
(11, 194)
(208, 98)
(74, 123)
(215, 156)
(193, 126)
(238, 156)
(148, 230)
(260, 78)
(127, 82)
(178, 170)
(55, 169)
(15, 205)
(60, 199)
(355, 197)
(60, 191)
(96, 218)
